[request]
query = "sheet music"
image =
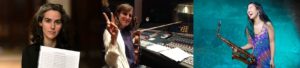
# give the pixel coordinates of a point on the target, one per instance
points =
(157, 48)
(58, 58)
(176, 54)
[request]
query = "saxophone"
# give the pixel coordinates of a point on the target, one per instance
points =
(239, 54)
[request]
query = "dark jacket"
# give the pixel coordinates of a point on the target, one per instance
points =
(30, 55)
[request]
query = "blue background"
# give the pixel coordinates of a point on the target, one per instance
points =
(211, 52)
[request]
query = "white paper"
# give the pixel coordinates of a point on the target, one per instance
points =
(157, 48)
(146, 43)
(176, 54)
(58, 58)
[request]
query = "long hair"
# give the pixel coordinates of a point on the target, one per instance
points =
(262, 15)
(36, 30)
(125, 8)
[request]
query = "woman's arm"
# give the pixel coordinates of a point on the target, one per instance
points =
(272, 42)
(111, 53)
(249, 44)
(25, 59)
(110, 36)
(136, 45)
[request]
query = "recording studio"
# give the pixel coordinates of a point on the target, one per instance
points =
(166, 25)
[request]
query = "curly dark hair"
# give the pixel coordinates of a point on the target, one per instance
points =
(36, 30)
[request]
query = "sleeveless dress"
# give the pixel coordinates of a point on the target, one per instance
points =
(261, 49)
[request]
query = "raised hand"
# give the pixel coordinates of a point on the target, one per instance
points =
(111, 27)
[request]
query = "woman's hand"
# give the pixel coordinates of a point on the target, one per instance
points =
(137, 44)
(272, 64)
(111, 27)
(136, 39)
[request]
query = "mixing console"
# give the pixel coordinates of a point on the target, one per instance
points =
(174, 40)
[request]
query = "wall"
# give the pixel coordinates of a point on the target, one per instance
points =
(211, 52)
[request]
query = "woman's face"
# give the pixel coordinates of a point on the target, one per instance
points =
(252, 11)
(125, 18)
(51, 24)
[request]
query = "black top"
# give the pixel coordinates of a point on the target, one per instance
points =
(30, 55)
